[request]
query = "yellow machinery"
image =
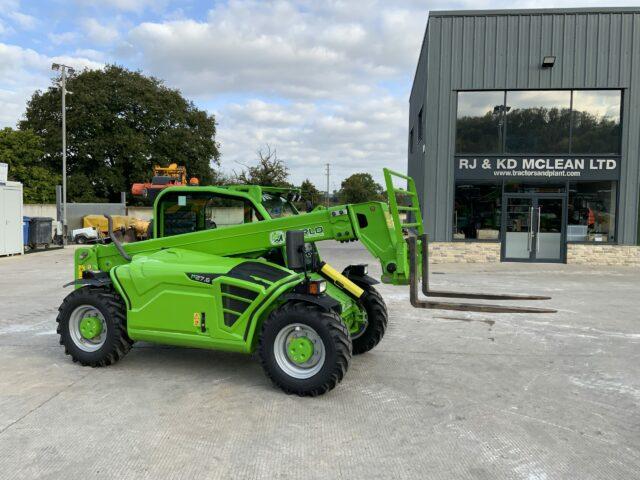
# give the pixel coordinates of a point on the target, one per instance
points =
(131, 228)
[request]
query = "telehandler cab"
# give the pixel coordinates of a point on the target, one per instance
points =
(221, 273)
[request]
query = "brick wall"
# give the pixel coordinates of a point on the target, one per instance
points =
(464, 252)
(626, 255)
(489, 252)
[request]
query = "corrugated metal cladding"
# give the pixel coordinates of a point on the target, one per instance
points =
(595, 48)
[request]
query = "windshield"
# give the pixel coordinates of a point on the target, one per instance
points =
(278, 205)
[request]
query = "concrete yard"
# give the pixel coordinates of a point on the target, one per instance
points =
(446, 395)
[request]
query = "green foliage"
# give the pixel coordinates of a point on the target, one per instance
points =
(538, 129)
(310, 192)
(360, 187)
(119, 125)
(23, 151)
(269, 172)
(311, 196)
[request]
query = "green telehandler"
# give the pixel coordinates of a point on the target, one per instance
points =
(236, 269)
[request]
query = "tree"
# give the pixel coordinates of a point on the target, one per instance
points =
(23, 151)
(119, 125)
(310, 192)
(269, 172)
(360, 187)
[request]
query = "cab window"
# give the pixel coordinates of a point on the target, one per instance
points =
(278, 206)
(186, 212)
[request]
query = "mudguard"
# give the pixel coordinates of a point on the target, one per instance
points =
(94, 279)
(352, 272)
(326, 302)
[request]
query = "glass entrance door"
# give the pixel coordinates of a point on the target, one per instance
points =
(548, 235)
(533, 227)
(518, 231)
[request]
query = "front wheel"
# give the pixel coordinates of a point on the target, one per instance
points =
(304, 349)
(377, 318)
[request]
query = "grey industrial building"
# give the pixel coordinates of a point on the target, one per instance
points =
(524, 129)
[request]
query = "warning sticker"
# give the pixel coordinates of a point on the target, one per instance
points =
(196, 319)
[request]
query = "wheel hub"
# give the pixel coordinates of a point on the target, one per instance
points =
(300, 350)
(359, 324)
(90, 327)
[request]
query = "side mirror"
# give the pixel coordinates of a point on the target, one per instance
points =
(295, 249)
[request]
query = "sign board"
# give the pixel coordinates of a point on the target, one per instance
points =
(537, 168)
(4, 172)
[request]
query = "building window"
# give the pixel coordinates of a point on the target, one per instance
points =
(591, 212)
(477, 211)
(538, 121)
(420, 136)
(411, 141)
(480, 122)
(596, 121)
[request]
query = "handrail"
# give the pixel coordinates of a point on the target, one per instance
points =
(395, 209)
(115, 241)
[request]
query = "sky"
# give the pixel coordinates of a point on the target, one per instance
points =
(319, 81)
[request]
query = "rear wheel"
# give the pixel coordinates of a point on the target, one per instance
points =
(92, 327)
(377, 319)
(304, 349)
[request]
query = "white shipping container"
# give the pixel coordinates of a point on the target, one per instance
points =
(11, 218)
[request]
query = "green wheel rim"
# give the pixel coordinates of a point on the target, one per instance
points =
(90, 327)
(300, 350)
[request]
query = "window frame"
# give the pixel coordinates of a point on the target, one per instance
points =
(420, 121)
(504, 129)
(205, 193)
(502, 184)
(617, 210)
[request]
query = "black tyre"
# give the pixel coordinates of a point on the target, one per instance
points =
(81, 239)
(92, 327)
(377, 319)
(304, 349)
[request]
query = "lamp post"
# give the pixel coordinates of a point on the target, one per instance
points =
(327, 172)
(64, 69)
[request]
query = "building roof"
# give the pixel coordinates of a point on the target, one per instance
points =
(532, 11)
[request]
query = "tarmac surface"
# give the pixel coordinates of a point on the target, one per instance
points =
(446, 395)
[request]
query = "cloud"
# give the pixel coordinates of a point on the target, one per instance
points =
(98, 33)
(23, 20)
(22, 71)
(323, 82)
(313, 52)
(135, 6)
(63, 38)
(352, 136)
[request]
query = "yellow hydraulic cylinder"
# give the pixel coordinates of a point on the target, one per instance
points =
(341, 280)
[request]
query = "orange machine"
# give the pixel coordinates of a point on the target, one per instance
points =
(163, 177)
